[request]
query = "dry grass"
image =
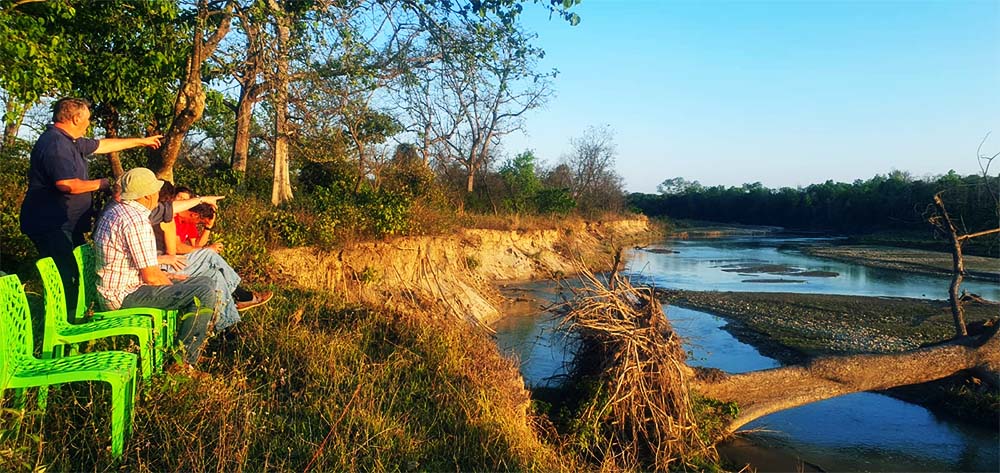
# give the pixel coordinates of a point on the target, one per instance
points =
(642, 416)
(311, 384)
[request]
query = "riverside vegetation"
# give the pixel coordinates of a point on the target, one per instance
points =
(314, 380)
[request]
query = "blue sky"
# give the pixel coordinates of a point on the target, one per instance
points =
(787, 93)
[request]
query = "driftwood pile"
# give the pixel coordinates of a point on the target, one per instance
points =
(642, 416)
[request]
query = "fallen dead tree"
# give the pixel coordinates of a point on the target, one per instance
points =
(760, 393)
(645, 399)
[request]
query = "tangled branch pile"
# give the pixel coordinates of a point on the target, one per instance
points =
(641, 417)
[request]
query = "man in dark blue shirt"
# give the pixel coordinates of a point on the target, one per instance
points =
(57, 207)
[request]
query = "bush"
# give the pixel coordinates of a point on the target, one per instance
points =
(17, 253)
(554, 201)
(369, 213)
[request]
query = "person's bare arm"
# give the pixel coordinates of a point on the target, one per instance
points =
(184, 248)
(82, 186)
(110, 145)
(153, 276)
(187, 204)
(170, 239)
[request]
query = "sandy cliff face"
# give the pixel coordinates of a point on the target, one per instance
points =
(455, 273)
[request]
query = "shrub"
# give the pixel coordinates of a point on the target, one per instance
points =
(17, 253)
(554, 201)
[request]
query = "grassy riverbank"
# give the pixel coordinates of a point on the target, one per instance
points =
(309, 383)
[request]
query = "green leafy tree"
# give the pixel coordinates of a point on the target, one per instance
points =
(33, 57)
(126, 57)
(521, 182)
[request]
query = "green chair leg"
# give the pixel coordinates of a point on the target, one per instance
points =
(19, 369)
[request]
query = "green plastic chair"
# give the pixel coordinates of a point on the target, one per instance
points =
(59, 332)
(20, 370)
(164, 320)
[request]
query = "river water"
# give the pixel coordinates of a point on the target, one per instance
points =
(857, 432)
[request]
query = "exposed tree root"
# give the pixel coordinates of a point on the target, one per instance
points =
(642, 417)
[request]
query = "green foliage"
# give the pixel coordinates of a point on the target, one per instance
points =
(368, 275)
(522, 184)
(32, 49)
(291, 231)
(370, 212)
(17, 253)
(712, 416)
(554, 201)
(407, 175)
(471, 262)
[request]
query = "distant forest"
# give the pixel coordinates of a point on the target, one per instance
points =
(894, 202)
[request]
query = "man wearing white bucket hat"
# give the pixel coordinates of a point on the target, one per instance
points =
(129, 274)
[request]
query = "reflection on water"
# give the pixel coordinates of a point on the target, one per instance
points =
(540, 347)
(534, 336)
(857, 432)
(700, 265)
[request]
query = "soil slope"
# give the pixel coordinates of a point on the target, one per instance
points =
(456, 273)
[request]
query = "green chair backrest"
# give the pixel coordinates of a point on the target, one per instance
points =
(55, 296)
(87, 296)
(15, 326)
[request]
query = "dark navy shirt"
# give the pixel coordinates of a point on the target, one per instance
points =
(55, 157)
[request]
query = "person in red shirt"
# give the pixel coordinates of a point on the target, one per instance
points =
(194, 228)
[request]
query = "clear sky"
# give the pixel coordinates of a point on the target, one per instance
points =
(788, 93)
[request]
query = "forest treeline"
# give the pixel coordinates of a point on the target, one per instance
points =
(895, 202)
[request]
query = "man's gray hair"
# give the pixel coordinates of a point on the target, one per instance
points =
(67, 108)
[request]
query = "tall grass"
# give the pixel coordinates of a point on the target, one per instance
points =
(309, 384)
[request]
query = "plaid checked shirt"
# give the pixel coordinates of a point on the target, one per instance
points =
(125, 244)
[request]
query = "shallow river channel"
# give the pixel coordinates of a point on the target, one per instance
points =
(857, 432)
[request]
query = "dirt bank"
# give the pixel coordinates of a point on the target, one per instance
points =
(456, 273)
(908, 259)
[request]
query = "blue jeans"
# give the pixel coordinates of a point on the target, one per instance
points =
(204, 262)
(195, 324)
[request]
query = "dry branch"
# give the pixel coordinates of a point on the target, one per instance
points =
(760, 393)
(645, 415)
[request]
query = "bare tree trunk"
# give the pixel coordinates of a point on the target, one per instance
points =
(360, 145)
(470, 179)
(281, 186)
(425, 150)
(12, 118)
(250, 91)
(241, 141)
(760, 393)
(190, 102)
(958, 269)
(111, 120)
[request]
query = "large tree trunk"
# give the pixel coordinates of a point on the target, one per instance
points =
(281, 187)
(250, 92)
(760, 393)
(241, 141)
(190, 102)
